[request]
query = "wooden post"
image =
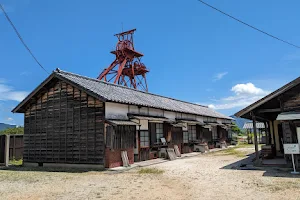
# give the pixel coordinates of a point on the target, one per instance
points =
(6, 156)
(14, 147)
(266, 133)
(248, 137)
(255, 137)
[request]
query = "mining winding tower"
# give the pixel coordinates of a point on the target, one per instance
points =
(127, 68)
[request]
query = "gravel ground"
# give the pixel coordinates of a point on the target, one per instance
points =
(210, 176)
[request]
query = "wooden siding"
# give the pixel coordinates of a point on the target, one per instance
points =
(64, 125)
(207, 135)
(2, 148)
(290, 102)
(16, 147)
(152, 133)
(177, 136)
(199, 132)
(120, 137)
(222, 133)
(291, 99)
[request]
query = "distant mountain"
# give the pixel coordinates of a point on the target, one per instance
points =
(240, 121)
(5, 126)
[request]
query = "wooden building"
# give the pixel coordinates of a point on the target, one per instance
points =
(72, 119)
(280, 113)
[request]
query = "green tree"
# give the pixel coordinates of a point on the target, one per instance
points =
(12, 131)
(236, 129)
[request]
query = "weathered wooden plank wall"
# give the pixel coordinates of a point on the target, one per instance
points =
(64, 125)
(207, 135)
(16, 147)
(120, 137)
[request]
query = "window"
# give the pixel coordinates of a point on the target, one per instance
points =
(229, 134)
(214, 131)
(185, 137)
(159, 132)
(192, 133)
(144, 138)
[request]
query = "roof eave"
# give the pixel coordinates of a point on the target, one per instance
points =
(40, 86)
(267, 98)
(17, 109)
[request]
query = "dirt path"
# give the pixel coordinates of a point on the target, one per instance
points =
(201, 177)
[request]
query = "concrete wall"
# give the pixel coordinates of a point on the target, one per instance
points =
(7, 140)
(170, 115)
(120, 111)
(199, 118)
(116, 111)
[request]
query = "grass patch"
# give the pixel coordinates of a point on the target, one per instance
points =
(242, 145)
(233, 151)
(284, 185)
(150, 171)
(16, 162)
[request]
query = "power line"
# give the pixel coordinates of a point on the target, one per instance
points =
(259, 30)
(21, 39)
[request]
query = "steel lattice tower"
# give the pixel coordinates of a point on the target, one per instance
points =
(127, 68)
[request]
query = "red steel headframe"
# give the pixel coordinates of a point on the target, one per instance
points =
(127, 68)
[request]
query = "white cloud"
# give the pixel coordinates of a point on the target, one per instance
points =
(8, 93)
(247, 89)
(244, 95)
(9, 119)
(219, 76)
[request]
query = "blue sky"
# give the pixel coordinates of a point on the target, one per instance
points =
(193, 52)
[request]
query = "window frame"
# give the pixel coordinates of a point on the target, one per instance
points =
(214, 133)
(159, 134)
(192, 133)
(144, 139)
(185, 137)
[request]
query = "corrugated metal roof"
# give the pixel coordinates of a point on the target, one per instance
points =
(121, 122)
(249, 125)
(122, 94)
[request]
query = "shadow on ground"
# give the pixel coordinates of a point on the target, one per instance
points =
(269, 171)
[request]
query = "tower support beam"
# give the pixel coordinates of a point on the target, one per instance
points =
(127, 67)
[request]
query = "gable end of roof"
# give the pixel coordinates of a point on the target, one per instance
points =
(269, 97)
